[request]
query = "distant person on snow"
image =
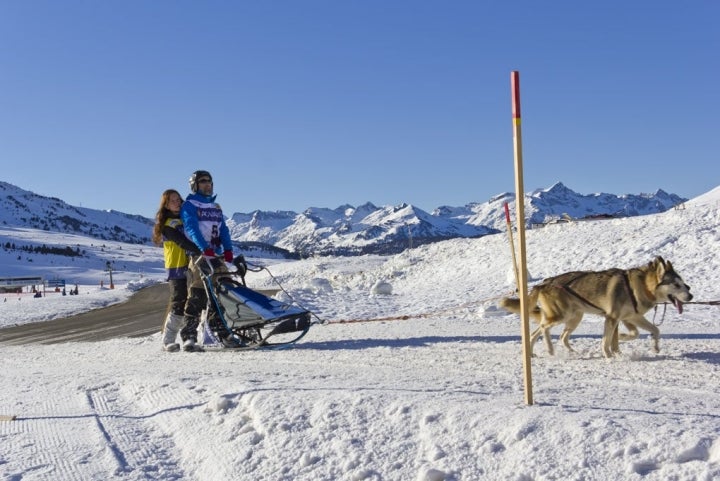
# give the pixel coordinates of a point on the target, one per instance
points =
(168, 231)
(205, 226)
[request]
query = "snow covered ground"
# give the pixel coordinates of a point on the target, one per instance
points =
(437, 395)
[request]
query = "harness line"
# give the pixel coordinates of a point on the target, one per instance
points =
(416, 316)
(259, 268)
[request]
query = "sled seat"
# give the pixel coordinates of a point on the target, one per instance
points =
(244, 307)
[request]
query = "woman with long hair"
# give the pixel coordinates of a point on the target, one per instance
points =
(168, 232)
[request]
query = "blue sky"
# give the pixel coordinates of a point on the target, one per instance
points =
(293, 104)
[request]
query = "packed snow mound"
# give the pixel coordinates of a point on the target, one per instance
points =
(382, 288)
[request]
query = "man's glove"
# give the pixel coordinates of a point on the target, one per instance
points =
(209, 252)
(228, 256)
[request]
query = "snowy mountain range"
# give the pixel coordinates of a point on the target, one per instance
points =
(346, 230)
(21, 208)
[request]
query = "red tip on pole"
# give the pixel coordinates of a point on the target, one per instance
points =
(507, 213)
(515, 86)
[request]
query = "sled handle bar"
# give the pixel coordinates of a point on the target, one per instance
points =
(239, 263)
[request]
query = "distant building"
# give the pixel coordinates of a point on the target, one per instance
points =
(16, 284)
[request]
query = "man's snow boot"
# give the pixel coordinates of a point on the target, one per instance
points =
(190, 345)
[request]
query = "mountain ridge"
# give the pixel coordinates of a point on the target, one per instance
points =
(344, 230)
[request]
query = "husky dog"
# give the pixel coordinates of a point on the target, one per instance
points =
(618, 295)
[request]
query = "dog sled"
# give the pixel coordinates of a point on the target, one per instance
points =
(258, 321)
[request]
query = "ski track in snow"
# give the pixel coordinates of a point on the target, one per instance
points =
(261, 423)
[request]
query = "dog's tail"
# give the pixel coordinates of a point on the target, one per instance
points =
(512, 304)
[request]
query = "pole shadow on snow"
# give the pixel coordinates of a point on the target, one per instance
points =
(700, 336)
(644, 335)
(357, 344)
(584, 408)
(708, 357)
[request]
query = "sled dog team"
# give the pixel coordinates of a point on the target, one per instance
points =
(196, 228)
(621, 296)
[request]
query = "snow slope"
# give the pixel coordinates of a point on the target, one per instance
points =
(433, 392)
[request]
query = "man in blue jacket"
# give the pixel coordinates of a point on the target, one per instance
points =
(204, 224)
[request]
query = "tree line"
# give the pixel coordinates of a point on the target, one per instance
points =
(43, 249)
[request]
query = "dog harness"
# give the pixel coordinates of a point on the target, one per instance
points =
(626, 282)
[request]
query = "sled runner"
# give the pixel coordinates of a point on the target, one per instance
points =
(257, 320)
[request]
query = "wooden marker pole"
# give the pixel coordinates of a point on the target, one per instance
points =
(520, 210)
(512, 246)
